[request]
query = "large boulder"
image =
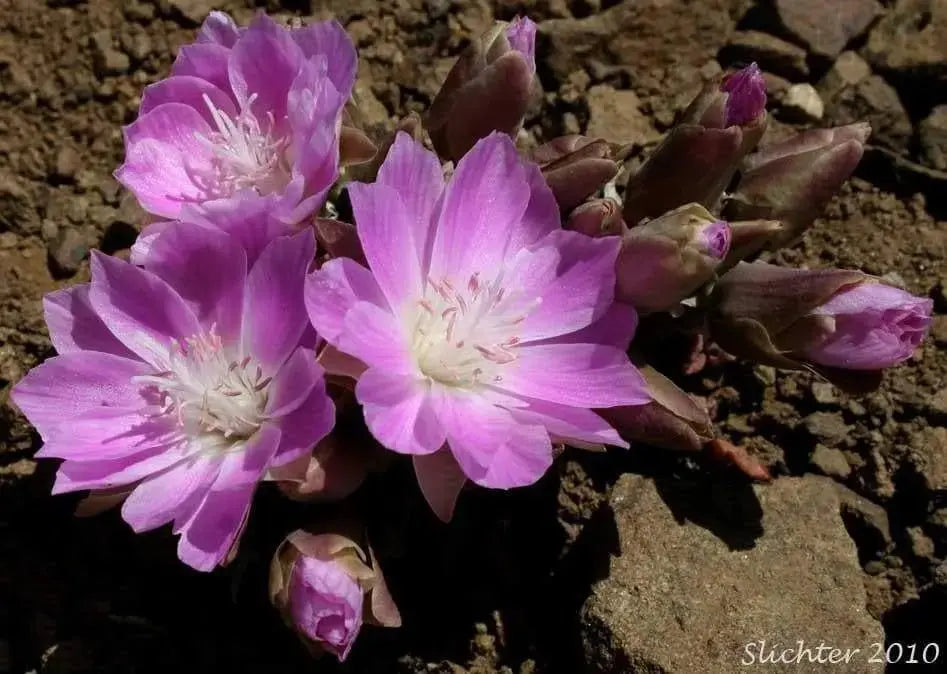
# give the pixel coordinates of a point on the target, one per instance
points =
(826, 27)
(765, 568)
(910, 41)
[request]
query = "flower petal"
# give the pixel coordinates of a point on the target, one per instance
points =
(206, 61)
(208, 269)
(303, 428)
(334, 289)
(569, 423)
(491, 447)
(329, 39)
(99, 475)
(399, 412)
(74, 326)
(190, 91)
(274, 315)
(79, 384)
(293, 383)
(415, 174)
(219, 28)
(484, 202)
(580, 375)
(387, 234)
(441, 481)
(263, 64)
(373, 335)
(139, 308)
(158, 499)
(542, 212)
(583, 290)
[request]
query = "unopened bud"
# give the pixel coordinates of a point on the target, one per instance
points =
(747, 238)
(831, 321)
(667, 259)
(330, 473)
(672, 420)
(325, 587)
(794, 180)
(600, 217)
(488, 89)
(575, 167)
(699, 157)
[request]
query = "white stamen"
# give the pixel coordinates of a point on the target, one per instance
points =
(209, 394)
(465, 337)
(245, 155)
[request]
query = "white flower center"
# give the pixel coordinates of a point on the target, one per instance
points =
(209, 393)
(245, 155)
(464, 336)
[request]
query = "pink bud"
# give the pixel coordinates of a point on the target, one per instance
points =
(667, 259)
(325, 587)
(747, 96)
(522, 36)
(326, 604)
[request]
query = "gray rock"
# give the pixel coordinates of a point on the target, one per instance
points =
(866, 521)
(929, 457)
(826, 28)
(106, 59)
(68, 162)
(66, 252)
(772, 54)
(827, 427)
(16, 208)
(848, 70)
(802, 103)
(909, 40)
(679, 599)
(875, 101)
(933, 136)
(831, 462)
(616, 116)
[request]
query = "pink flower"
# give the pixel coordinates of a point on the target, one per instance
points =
(245, 111)
(325, 586)
(870, 326)
(183, 383)
(480, 323)
(326, 604)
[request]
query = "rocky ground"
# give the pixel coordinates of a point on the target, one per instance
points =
(638, 561)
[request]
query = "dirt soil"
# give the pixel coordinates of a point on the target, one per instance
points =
(500, 588)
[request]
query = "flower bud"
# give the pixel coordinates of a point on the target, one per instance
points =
(667, 259)
(600, 217)
(698, 158)
(747, 238)
(575, 167)
(830, 321)
(488, 89)
(672, 420)
(325, 586)
(330, 473)
(794, 180)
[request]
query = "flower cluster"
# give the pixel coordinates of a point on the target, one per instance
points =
(478, 308)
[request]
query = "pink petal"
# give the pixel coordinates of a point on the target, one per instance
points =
(98, 475)
(176, 125)
(219, 28)
(441, 481)
(264, 63)
(158, 499)
(580, 375)
(139, 308)
(210, 534)
(573, 424)
(160, 177)
(74, 326)
(491, 447)
(374, 336)
(616, 327)
(415, 174)
(329, 39)
(542, 212)
(583, 290)
(484, 202)
(334, 289)
(387, 234)
(303, 428)
(206, 61)
(293, 383)
(79, 384)
(189, 91)
(274, 315)
(399, 412)
(208, 269)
